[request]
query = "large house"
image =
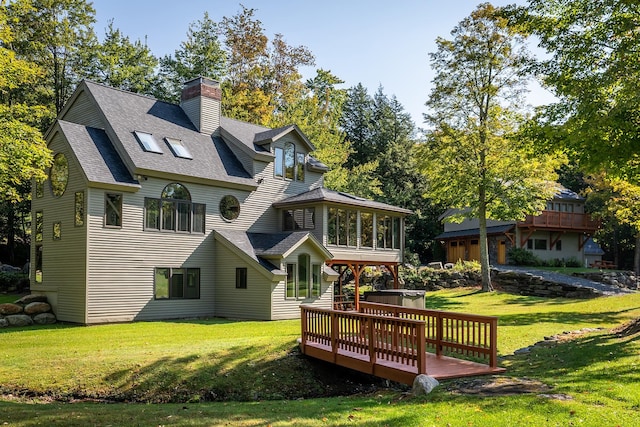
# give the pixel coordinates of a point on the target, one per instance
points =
(562, 231)
(154, 211)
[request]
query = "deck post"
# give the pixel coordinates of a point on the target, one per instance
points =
(493, 357)
(422, 349)
(372, 344)
(334, 335)
(439, 334)
(304, 325)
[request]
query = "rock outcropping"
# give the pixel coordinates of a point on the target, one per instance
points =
(28, 310)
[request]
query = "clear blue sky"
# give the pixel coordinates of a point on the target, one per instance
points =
(370, 42)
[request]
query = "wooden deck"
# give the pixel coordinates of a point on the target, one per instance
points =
(392, 341)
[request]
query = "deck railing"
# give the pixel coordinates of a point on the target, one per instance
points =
(447, 332)
(555, 219)
(368, 337)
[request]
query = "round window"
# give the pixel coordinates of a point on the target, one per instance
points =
(229, 208)
(59, 174)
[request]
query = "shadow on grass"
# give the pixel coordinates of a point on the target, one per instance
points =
(587, 364)
(562, 317)
(436, 302)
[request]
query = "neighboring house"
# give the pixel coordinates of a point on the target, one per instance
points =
(156, 211)
(561, 231)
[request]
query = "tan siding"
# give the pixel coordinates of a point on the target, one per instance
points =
(123, 261)
(83, 112)
(64, 260)
(284, 308)
(251, 303)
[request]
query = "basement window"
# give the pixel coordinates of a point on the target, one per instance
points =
(178, 149)
(148, 142)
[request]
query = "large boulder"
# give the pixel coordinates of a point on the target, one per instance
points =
(423, 384)
(8, 308)
(28, 299)
(19, 320)
(37, 308)
(44, 319)
(3, 322)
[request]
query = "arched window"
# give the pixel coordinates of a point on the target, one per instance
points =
(174, 211)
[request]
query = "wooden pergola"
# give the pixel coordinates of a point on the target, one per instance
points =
(357, 267)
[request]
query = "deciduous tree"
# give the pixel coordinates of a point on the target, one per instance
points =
(471, 161)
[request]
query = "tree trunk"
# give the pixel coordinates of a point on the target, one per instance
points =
(484, 247)
(636, 256)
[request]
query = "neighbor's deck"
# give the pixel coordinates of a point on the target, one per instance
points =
(392, 341)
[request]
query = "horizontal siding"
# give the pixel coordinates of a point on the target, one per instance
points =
(251, 303)
(284, 308)
(570, 245)
(123, 261)
(83, 112)
(64, 260)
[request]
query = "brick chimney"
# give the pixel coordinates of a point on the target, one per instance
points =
(201, 101)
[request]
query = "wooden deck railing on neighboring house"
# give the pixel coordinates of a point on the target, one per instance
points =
(393, 341)
(562, 220)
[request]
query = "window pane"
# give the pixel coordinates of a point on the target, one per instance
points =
(396, 232)
(113, 210)
(298, 217)
(342, 227)
(366, 230)
(380, 230)
(178, 149)
(540, 244)
(352, 234)
(279, 162)
(152, 216)
(287, 220)
(241, 278)
(315, 280)
(289, 160)
(59, 174)
(184, 217)
(177, 283)
(529, 244)
(57, 231)
(39, 264)
(192, 288)
(332, 230)
(388, 232)
(310, 218)
(176, 191)
(79, 209)
(199, 213)
(303, 276)
(168, 215)
(39, 188)
(162, 283)
(291, 280)
(229, 208)
(39, 222)
(148, 142)
(300, 166)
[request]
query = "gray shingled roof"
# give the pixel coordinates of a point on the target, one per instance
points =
(127, 112)
(498, 229)
(566, 194)
(240, 240)
(324, 195)
(96, 155)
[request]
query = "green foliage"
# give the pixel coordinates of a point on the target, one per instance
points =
(201, 54)
(521, 256)
(13, 282)
(120, 63)
(473, 160)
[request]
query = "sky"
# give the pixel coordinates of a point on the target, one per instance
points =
(379, 44)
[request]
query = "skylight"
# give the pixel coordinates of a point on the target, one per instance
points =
(148, 142)
(178, 149)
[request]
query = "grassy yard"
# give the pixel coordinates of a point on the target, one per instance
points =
(257, 377)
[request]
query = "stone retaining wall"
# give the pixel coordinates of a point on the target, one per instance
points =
(516, 282)
(28, 310)
(620, 279)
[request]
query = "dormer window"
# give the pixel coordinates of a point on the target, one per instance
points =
(178, 149)
(288, 163)
(148, 142)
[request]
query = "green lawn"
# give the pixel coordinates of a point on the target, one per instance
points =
(255, 371)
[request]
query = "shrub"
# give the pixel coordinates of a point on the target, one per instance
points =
(521, 256)
(12, 281)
